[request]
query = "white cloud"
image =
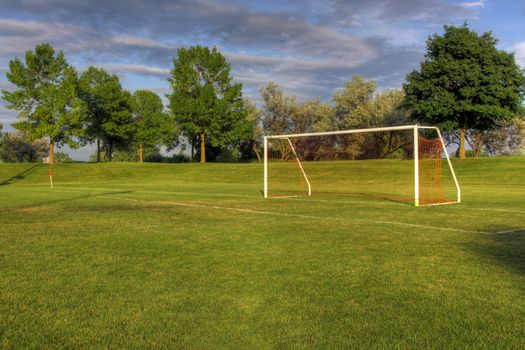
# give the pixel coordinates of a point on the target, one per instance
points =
(135, 68)
(474, 4)
(17, 36)
(140, 42)
(519, 48)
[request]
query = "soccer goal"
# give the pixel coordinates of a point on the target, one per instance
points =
(406, 163)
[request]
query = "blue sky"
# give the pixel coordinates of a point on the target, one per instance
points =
(309, 47)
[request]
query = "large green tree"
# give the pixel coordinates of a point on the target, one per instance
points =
(109, 115)
(152, 124)
(46, 97)
(205, 102)
(465, 83)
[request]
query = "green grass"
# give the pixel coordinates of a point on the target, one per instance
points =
(189, 256)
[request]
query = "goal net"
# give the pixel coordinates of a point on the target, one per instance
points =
(403, 164)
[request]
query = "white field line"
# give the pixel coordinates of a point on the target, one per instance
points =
(363, 202)
(194, 205)
(302, 216)
(281, 214)
(510, 231)
(403, 204)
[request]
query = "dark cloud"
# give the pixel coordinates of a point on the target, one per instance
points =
(307, 46)
(197, 20)
(354, 13)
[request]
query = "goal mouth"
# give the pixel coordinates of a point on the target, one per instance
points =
(404, 164)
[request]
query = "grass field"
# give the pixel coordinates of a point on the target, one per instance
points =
(189, 256)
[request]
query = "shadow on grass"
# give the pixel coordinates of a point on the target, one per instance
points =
(505, 247)
(21, 175)
(70, 199)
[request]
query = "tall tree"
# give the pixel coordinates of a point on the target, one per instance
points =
(254, 132)
(46, 97)
(351, 103)
(464, 83)
(108, 118)
(278, 110)
(151, 122)
(205, 102)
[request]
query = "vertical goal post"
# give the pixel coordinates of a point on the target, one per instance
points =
(416, 154)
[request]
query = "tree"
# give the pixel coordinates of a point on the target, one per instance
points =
(108, 116)
(151, 122)
(351, 102)
(205, 102)
(63, 157)
(45, 96)
(507, 138)
(278, 110)
(15, 147)
(254, 132)
(465, 83)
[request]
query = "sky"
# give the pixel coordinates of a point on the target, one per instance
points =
(308, 47)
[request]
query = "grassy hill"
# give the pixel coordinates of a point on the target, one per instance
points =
(189, 256)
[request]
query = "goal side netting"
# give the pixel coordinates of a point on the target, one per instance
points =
(402, 164)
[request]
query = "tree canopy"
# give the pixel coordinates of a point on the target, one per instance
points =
(109, 111)
(152, 124)
(45, 97)
(205, 102)
(465, 82)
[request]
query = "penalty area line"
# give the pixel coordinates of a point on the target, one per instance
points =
(510, 231)
(301, 216)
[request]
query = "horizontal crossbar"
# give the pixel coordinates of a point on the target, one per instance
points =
(352, 131)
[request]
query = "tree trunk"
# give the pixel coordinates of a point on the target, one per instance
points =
(140, 152)
(254, 148)
(462, 144)
(203, 149)
(51, 152)
(98, 150)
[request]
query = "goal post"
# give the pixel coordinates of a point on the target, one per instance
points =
(331, 162)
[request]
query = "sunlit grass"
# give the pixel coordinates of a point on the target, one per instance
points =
(190, 256)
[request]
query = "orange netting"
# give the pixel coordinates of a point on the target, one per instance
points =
(430, 171)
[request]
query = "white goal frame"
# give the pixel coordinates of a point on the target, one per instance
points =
(415, 129)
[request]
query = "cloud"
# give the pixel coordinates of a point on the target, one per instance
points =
(519, 48)
(136, 68)
(309, 52)
(7, 116)
(474, 4)
(18, 36)
(358, 13)
(200, 20)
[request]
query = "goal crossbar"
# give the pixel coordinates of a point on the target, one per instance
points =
(345, 132)
(415, 129)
